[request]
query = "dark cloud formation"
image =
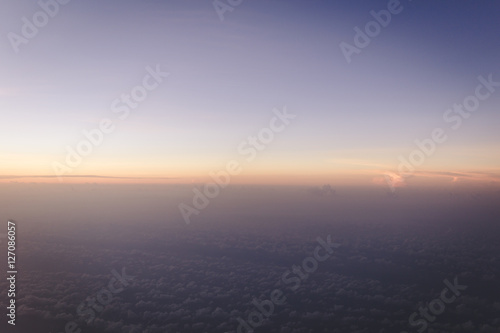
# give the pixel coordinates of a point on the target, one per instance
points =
(394, 256)
(323, 191)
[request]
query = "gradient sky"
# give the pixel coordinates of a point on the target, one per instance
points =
(353, 120)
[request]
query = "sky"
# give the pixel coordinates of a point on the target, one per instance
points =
(226, 80)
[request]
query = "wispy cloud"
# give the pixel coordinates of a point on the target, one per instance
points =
(397, 180)
(454, 176)
(81, 176)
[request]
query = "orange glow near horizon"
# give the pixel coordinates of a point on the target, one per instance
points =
(339, 178)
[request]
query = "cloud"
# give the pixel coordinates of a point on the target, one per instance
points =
(324, 191)
(390, 178)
